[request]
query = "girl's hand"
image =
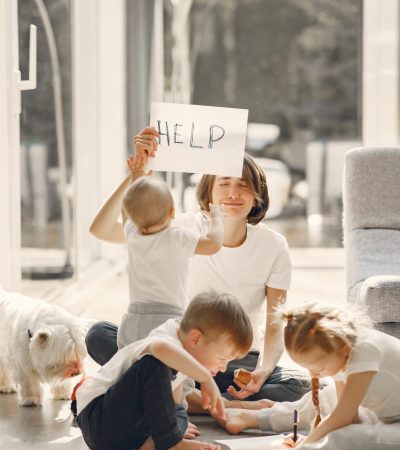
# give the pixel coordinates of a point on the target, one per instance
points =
(212, 399)
(288, 442)
(146, 143)
(258, 378)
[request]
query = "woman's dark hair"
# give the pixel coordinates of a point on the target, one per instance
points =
(254, 176)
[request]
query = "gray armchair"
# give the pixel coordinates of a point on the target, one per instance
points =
(371, 222)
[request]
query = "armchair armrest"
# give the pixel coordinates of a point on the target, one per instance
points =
(381, 295)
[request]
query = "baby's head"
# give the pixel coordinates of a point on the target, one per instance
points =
(215, 330)
(148, 203)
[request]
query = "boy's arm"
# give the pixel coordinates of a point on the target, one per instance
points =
(179, 359)
(212, 243)
(347, 408)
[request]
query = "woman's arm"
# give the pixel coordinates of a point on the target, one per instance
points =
(347, 408)
(105, 225)
(273, 336)
(272, 348)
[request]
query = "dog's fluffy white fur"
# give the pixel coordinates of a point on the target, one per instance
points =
(39, 343)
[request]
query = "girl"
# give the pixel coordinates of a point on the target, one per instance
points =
(253, 264)
(365, 365)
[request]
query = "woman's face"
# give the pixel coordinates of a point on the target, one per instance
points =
(234, 194)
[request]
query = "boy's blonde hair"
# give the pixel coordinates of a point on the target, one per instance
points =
(148, 202)
(324, 326)
(216, 315)
(254, 176)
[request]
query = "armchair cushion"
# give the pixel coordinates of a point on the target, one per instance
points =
(371, 252)
(381, 295)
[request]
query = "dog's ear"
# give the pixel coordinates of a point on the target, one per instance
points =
(42, 337)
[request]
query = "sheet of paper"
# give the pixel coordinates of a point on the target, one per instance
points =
(254, 443)
(199, 139)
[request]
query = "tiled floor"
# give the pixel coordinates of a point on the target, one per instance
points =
(318, 275)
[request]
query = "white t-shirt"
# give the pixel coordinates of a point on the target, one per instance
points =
(109, 374)
(378, 352)
(262, 260)
(158, 264)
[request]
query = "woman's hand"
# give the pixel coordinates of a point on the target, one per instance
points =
(146, 143)
(258, 378)
(211, 398)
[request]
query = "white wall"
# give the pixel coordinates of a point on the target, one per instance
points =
(99, 116)
(381, 73)
(10, 225)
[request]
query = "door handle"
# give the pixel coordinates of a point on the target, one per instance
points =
(29, 84)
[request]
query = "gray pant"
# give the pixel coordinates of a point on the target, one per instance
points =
(142, 318)
(369, 435)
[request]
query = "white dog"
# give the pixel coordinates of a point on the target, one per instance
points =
(39, 343)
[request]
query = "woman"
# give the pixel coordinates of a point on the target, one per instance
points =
(253, 264)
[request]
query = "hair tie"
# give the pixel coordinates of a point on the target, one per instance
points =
(313, 330)
(289, 318)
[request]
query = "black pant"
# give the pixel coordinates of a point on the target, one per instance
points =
(138, 405)
(282, 385)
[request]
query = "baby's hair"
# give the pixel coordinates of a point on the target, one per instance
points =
(324, 326)
(148, 202)
(216, 315)
(254, 176)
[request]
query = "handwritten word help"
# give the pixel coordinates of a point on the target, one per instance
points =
(174, 134)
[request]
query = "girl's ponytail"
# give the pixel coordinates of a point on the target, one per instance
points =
(315, 400)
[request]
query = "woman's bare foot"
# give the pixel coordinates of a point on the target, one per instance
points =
(238, 420)
(185, 444)
(247, 404)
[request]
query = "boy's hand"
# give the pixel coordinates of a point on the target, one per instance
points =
(212, 399)
(146, 143)
(136, 167)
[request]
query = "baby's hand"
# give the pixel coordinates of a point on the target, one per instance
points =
(136, 166)
(216, 211)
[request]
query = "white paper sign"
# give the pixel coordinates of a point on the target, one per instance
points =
(199, 139)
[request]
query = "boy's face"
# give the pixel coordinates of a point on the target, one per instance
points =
(214, 355)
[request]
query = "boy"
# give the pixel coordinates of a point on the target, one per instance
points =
(131, 403)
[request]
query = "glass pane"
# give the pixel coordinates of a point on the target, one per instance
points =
(296, 66)
(46, 141)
